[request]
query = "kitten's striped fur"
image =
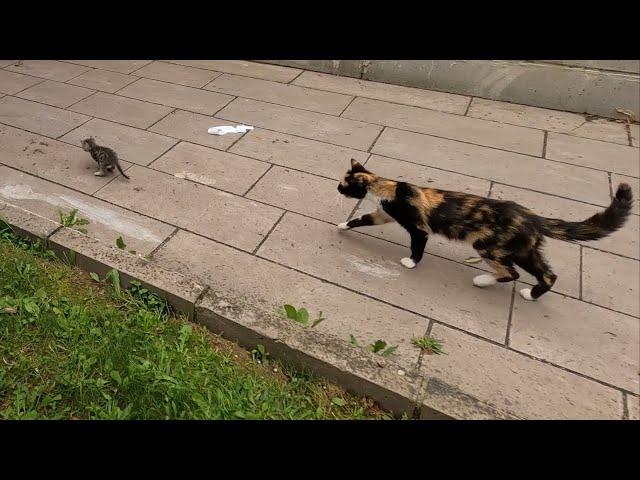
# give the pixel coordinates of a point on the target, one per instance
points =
(502, 232)
(105, 157)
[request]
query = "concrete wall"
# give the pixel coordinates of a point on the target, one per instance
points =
(597, 87)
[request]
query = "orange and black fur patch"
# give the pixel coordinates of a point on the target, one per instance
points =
(502, 232)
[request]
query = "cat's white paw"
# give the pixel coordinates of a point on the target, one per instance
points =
(407, 262)
(343, 226)
(484, 280)
(526, 294)
(99, 174)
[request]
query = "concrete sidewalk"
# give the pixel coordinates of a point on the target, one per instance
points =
(254, 215)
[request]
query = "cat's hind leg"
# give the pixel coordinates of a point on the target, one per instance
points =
(535, 264)
(502, 267)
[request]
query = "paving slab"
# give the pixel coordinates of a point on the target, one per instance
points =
(4, 63)
(454, 127)
(300, 153)
(634, 129)
(282, 94)
(270, 286)
(437, 288)
(55, 93)
(49, 69)
(584, 338)
(107, 222)
(11, 83)
(224, 171)
(603, 129)
(316, 126)
(180, 74)
(204, 210)
(635, 188)
(623, 242)
(594, 153)
(248, 69)
(122, 110)
(505, 167)
(52, 160)
(132, 144)
(483, 372)
(177, 96)
(611, 281)
(303, 193)
(445, 102)
(26, 224)
(38, 118)
(525, 115)
(103, 80)
(120, 66)
(193, 128)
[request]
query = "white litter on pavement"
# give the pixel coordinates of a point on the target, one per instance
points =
(223, 130)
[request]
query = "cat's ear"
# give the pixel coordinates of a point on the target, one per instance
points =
(355, 166)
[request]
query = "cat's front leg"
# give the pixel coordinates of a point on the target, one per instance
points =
(418, 243)
(379, 217)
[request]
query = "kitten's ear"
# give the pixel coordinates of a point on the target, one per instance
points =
(355, 166)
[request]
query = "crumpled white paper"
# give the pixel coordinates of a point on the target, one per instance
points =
(223, 130)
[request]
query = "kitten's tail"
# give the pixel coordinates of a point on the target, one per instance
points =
(597, 226)
(120, 170)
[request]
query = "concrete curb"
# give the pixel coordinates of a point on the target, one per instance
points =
(560, 85)
(250, 323)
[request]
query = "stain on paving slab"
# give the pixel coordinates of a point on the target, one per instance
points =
(204, 210)
(107, 222)
(222, 170)
(50, 159)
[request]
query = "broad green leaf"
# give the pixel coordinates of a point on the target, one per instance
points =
(120, 243)
(291, 311)
(94, 276)
(303, 316)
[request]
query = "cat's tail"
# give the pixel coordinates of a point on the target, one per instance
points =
(597, 226)
(120, 170)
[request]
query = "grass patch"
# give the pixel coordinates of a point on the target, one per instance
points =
(71, 347)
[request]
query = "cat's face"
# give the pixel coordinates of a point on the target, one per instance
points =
(87, 143)
(355, 182)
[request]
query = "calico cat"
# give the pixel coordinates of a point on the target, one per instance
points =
(502, 232)
(105, 157)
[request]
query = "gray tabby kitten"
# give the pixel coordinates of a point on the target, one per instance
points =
(104, 156)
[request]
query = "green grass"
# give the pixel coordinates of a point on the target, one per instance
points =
(428, 344)
(72, 348)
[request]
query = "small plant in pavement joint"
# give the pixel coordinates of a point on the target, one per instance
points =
(71, 220)
(428, 345)
(378, 347)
